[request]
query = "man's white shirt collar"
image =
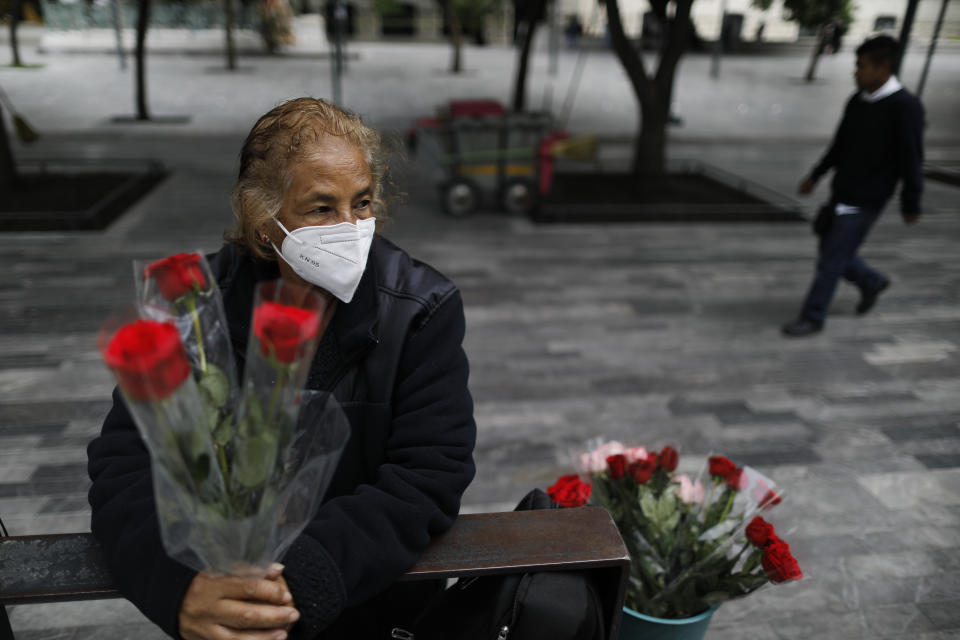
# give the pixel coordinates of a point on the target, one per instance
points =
(889, 87)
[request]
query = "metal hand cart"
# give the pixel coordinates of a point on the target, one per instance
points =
(485, 154)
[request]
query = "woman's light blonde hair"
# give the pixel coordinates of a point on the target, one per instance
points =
(286, 134)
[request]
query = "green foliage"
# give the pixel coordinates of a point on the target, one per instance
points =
(468, 11)
(385, 7)
(685, 557)
(813, 13)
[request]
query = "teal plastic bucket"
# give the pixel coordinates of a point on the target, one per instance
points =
(637, 626)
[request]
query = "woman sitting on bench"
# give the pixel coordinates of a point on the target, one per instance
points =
(392, 356)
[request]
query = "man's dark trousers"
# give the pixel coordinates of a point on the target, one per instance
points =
(838, 258)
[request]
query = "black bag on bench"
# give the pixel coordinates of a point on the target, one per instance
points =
(547, 605)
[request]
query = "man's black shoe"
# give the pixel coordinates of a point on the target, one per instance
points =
(801, 327)
(869, 298)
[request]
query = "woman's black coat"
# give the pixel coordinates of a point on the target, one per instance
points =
(394, 360)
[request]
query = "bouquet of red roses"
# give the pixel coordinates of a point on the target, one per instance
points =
(693, 543)
(238, 469)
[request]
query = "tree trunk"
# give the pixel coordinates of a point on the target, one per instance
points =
(653, 94)
(143, 21)
(523, 59)
(456, 34)
(14, 23)
(815, 58)
(8, 168)
(650, 147)
(229, 21)
(456, 64)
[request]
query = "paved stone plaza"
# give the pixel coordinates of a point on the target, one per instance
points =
(640, 332)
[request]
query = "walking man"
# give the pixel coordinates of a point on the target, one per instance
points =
(879, 141)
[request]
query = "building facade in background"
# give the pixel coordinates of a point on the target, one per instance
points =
(743, 22)
(422, 20)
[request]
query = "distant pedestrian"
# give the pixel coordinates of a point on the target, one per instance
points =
(878, 143)
(836, 38)
(573, 30)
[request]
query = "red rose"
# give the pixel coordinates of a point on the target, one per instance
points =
(654, 460)
(765, 496)
(737, 479)
(641, 470)
(569, 491)
(617, 466)
(779, 563)
(669, 458)
(177, 275)
(720, 466)
(282, 329)
(760, 532)
(770, 499)
(147, 359)
(731, 473)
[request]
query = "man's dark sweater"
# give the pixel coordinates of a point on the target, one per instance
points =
(876, 144)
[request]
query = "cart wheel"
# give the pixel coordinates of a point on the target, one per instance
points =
(519, 196)
(461, 198)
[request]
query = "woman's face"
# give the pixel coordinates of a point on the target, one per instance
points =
(335, 186)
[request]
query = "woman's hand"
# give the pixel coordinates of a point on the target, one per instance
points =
(218, 607)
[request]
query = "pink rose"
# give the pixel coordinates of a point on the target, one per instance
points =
(690, 492)
(636, 454)
(596, 460)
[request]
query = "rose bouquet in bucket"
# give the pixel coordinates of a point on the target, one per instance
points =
(693, 542)
(239, 468)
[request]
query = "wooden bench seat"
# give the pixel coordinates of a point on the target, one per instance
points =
(68, 567)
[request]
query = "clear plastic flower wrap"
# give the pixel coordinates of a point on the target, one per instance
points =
(693, 543)
(153, 374)
(181, 289)
(253, 524)
(232, 492)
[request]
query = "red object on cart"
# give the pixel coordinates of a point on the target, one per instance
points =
(475, 108)
(546, 159)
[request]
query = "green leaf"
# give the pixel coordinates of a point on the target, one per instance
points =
(223, 431)
(214, 386)
(667, 510)
(648, 506)
(254, 414)
(716, 510)
(255, 459)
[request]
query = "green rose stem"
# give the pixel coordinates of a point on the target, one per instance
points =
(173, 448)
(192, 304)
(275, 394)
(728, 506)
(224, 465)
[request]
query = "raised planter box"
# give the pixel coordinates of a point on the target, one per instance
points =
(692, 191)
(75, 195)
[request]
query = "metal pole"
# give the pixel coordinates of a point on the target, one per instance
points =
(118, 30)
(933, 45)
(718, 44)
(554, 39)
(337, 57)
(905, 32)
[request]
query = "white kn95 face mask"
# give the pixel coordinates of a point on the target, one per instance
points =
(331, 257)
